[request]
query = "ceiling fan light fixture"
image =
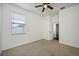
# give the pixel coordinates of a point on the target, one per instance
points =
(45, 6)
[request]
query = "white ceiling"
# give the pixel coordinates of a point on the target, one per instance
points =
(57, 6)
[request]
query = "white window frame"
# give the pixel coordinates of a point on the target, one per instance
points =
(19, 21)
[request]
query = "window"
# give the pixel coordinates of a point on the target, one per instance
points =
(18, 23)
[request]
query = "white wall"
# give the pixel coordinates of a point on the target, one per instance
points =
(46, 28)
(69, 26)
(0, 28)
(33, 27)
(54, 20)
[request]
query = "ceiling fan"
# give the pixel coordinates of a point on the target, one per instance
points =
(44, 5)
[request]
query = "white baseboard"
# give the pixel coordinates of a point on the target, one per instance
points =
(3, 49)
(70, 44)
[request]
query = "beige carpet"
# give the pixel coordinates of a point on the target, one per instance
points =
(42, 48)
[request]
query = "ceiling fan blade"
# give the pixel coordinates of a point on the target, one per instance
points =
(49, 7)
(38, 6)
(43, 9)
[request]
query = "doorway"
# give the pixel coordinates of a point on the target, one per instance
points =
(56, 31)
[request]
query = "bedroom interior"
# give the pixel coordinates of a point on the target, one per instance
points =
(39, 29)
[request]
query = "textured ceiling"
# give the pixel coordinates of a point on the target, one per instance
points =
(56, 6)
